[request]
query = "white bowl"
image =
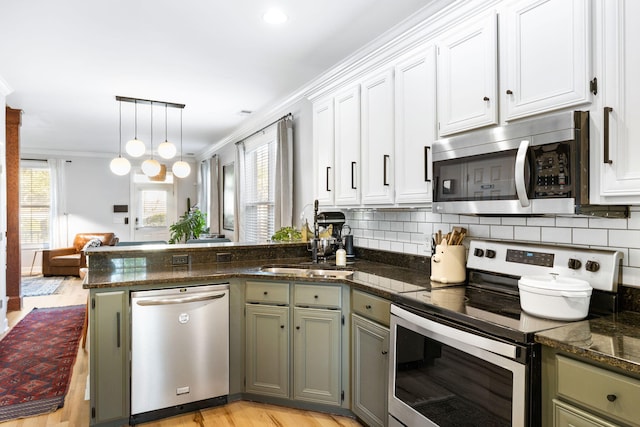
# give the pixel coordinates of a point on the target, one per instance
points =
(555, 297)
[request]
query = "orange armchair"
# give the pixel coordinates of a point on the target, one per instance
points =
(69, 261)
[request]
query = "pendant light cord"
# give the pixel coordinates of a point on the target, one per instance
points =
(180, 134)
(135, 118)
(151, 141)
(120, 130)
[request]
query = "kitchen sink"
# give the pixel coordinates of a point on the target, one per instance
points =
(320, 273)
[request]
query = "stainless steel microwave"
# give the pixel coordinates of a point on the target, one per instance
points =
(531, 167)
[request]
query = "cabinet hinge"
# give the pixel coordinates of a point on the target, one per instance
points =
(342, 395)
(93, 303)
(593, 86)
(93, 412)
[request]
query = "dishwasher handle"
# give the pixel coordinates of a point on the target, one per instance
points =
(171, 301)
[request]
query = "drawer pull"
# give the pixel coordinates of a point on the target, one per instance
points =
(265, 292)
(281, 326)
(384, 352)
(298, 327)
(611, 397)
(368, 307)
(315, 296)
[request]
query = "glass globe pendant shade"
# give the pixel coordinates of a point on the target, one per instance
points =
(181, 169)
(151, 167)
(120, 166)
(166, 150)
(135, 148)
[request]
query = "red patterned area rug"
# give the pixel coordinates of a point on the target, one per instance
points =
(36, 361)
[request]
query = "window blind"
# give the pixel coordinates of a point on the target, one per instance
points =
(35, 204)
(259, 192)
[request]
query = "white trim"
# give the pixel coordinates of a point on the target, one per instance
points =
(5, 89)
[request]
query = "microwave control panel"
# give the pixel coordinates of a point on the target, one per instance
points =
(551, 170)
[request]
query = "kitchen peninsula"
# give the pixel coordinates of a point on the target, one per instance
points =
(114, 273)
(344, 308)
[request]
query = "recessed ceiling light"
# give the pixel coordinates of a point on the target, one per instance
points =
(275, 16)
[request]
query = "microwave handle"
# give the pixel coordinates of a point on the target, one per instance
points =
(521, 187)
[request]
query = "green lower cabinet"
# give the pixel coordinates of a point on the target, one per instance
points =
(317, 358)
(108, 360)
(267, 350)
(369, 367)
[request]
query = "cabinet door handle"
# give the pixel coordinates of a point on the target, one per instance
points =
(426, 164)
(611, 397)
(353, 176)
(509, 92)
(368, 307)
(118, 329)
(607, 113)
(385, 158)
(328, 169)
(298, 327)
(384, 352)
(486, 98)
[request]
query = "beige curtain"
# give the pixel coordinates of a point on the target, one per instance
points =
(237, 201)
(284, 174)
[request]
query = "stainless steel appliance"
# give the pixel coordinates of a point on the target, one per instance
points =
(465, 354)
(179, 350)
(536, 166)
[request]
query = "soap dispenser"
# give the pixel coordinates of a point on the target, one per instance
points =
(341, 256)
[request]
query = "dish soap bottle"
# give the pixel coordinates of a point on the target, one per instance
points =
(341, 256)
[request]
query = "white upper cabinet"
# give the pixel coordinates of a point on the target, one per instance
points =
(347, 147)
(545, 55)
(415, 125)
(615, 125)
(377, 146)
(323, 151)
(467, 76)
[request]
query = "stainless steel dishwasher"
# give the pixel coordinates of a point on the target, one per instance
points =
(179, 350)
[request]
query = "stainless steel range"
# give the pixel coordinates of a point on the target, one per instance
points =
(465, 354)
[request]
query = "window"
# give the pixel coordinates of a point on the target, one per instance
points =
(35, 204)
(154, 198)
(258, 195)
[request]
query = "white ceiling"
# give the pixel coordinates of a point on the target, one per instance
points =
(66, 61)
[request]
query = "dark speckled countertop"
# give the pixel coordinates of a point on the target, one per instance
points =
(614, 340)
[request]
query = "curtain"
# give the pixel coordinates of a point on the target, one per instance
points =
(214, 194)
(238, 235)
(59, 218)
(204, 181)
(284, 174)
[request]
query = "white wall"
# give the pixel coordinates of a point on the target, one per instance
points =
(91, 191)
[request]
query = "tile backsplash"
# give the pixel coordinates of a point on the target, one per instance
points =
(409, 231)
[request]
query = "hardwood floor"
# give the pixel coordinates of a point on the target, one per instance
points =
(75, 412)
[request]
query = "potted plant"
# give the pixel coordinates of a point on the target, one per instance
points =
(189, 226)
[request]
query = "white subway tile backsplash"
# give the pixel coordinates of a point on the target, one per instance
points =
(527, 233)
(586, 236)
(409, 231)
(626, 238)
(501, 232)
(514, 221)
(564, 221)
(556, 235)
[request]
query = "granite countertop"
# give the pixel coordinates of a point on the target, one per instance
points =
(613, 340)
(375, 277)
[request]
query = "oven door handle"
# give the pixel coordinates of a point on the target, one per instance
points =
(521, 185)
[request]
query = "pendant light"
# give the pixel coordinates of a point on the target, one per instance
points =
(166, 150)
(151, 167)
(135, 147)
(120, 165)
(181, 169)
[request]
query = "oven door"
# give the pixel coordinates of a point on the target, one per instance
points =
(443, 376)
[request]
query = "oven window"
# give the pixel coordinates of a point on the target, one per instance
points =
(448, 386)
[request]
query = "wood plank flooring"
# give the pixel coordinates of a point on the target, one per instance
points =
(75, 412)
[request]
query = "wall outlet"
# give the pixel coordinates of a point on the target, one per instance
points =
(180, 259)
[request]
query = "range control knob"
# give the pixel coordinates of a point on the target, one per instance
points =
(478, 252)
(592, 266)
(574, 264)
(490, 253)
